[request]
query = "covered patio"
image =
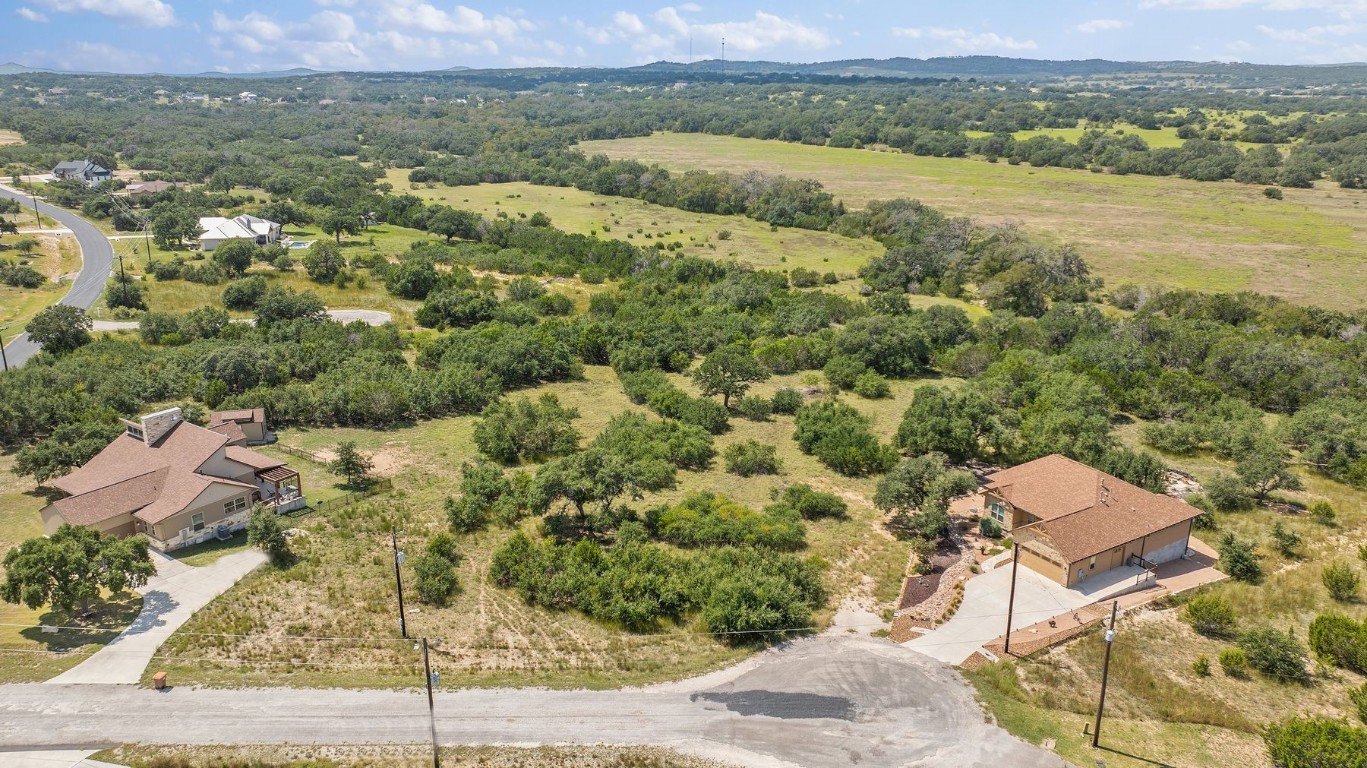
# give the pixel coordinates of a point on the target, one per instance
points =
(280, 489)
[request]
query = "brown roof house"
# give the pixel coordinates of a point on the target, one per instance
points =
(246, 426)
(176, 482)
(1073, 522)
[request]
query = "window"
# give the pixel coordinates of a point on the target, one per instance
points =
(998, 512)
(197, 521)
(236, 505)
(1091, 565)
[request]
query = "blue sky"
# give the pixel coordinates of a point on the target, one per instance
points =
(258, 35)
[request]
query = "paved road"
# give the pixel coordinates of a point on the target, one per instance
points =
(97, 257)
(834, 700)
(168, 601)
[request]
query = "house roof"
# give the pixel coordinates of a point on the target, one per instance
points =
(154, 481)
(240, 415)
(1083, 510)
(114, 500)
(152, 187)
(82, 167)
(252, 459)
(244, 226)
(230, 430)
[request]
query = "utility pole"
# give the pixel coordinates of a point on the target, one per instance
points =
(3, 357)
(1011, 600)
(431, 706)
(147, 238)
(1105, 672)
(398, 579)
(123, 279)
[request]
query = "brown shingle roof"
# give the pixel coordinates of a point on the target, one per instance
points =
(252, 458)
(112, 501)
(231, 430)
(257, 415)
(183, 450)
(177, 495)
(1085, 511)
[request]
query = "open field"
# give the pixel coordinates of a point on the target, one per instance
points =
(1164, 711)
(55, 257)
(26, 654)
(10, 137)
(643, 224)
(343, 586)
(1310, 247)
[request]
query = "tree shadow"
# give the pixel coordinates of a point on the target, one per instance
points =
(68, 631)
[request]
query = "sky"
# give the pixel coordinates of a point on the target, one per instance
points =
(187, 36)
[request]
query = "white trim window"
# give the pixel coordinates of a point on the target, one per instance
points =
(197, 521)
(234, 506)
(998, 511)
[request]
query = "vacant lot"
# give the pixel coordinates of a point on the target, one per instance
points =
(56, 257)
(1310, 247)
(343, 587)
(10, 137)
(643, 224)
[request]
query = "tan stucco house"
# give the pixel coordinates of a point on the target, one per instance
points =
(176, 482)
(1073, 522)
(246, 426)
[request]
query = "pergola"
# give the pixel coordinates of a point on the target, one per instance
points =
(284, 481)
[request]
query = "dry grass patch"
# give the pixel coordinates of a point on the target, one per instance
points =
(401, 756)
(58, 259)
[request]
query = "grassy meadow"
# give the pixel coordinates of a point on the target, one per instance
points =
(1310, 247)
(343, 585)
(643, 224)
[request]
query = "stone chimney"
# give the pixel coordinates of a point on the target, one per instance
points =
(156, 425)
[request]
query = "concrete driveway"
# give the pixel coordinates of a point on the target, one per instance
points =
(168, 601)
(826, 702)
(982, 615)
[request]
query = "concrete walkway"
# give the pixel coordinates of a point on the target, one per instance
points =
(168, 601)
(982, 615)
(821, 702)
(53, 758)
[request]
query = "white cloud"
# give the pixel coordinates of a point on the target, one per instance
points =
(143, 13)
(962, 41)
(666, 33)
(1310, 34)
(1101, 25)
(461, 20)
(1345, 8)
(327, 39)
(28, 14)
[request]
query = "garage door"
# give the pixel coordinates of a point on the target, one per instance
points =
(1040, 565)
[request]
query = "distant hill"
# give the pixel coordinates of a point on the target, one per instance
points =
(296, 72)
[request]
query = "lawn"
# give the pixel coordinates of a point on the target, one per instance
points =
(28, 654)
(1165, 711)
(56, 257)
(643, 224)
(1310, 247)
(343, 586)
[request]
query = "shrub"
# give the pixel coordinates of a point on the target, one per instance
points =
(1340, 640)
(1238, 559)
(872, 386)
(1323, 513)
(1201, 666)
(1316, 743)
(436, 570)
(1272, 193)
(839, 437)
(812, 504)
(1227, 492)
(244, 293)
(1284, 541)
(990, 528)
(508, 432)
(843, 371)
(1234, 662)
(1342, 581)
(153, 327)
(752, 457)
(1276, 654)
(1210, 615)
(705, 519)
(1358, 696)
(786, 400)
(265, 532)
(754, 408)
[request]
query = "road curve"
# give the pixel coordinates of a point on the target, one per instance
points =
(822, 702)
(97, 261)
